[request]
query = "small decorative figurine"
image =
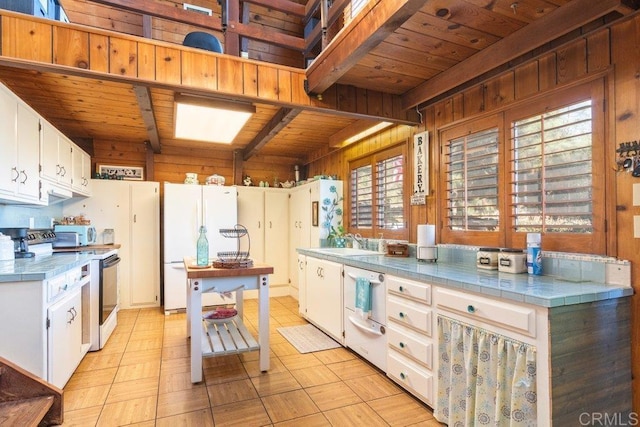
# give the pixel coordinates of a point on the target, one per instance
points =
(247, 181)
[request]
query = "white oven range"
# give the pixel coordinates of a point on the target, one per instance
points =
(366, 336)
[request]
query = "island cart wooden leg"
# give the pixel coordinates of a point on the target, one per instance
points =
(263, 319)
(194, 319)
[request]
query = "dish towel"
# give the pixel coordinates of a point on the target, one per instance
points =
(363, 297)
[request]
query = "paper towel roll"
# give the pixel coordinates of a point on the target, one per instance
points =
(426, 235)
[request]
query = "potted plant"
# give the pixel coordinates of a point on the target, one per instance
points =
(337, 237)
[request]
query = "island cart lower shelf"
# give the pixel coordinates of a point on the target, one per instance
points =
(209, 339)
(230, 337)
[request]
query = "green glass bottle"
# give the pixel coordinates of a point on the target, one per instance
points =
(202, 251)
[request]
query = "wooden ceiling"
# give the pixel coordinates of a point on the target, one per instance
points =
(413, 50)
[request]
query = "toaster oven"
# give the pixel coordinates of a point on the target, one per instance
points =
(86, 233)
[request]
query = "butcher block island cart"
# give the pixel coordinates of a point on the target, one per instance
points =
(218, 338)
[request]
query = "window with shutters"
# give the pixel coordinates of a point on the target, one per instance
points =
(545, 173)
(376, 194)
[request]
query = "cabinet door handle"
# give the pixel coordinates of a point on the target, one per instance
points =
(270, 225)
(17, 174)
(471, 309)
(58, 169)
(25, 177)
(259, 224)
(63, 170)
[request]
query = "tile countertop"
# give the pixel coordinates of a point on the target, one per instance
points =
(46, 266)
(545, 291)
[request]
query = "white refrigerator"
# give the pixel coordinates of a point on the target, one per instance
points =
(186, 207)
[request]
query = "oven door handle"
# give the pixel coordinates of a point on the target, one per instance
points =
(110, 262)
(373, 282)
(356, 322)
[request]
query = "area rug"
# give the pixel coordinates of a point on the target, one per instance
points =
(307, 338)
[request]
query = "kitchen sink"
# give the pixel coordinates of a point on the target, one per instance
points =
(345, 251)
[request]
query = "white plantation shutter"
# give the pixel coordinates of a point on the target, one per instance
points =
(376, 194)
(389, 193)
(552, 171)
(362, 197)
(472, 182)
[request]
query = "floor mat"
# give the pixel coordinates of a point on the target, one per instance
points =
(307, 338)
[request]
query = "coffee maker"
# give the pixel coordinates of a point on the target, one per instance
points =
(20, 243)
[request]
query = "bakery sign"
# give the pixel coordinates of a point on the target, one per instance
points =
(420, 168)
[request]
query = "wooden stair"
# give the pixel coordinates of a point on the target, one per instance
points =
(26, 400)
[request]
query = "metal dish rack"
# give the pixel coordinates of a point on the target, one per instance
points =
(238, 258)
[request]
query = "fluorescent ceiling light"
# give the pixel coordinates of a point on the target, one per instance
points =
(202, 119)
(365, 133)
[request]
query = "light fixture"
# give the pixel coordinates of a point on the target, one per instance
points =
(209, 120)
(365, 133)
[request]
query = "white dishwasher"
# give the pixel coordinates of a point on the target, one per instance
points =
(366, 335)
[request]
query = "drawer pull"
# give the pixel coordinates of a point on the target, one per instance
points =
(402, 345)
(403, 376)
(400, 289)
(471, 309)
(402, 315)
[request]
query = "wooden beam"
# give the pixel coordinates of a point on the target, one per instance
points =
(374, 23)
(143, 94)
(282, 118)
(238, 165)
(563, 20)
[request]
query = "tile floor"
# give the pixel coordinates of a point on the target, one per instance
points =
(142, 378)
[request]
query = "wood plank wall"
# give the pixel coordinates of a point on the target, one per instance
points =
(608, 52)
(95, 15)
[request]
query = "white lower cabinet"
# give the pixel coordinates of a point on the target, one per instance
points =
(410, 337)
(65, 326)
(43, 324)
(302, 284)
(324, 296)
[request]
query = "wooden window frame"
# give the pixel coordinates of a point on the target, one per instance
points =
(372, 159)
(506, 236)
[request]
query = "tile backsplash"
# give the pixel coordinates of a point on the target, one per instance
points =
(19, 215)
(568, 266)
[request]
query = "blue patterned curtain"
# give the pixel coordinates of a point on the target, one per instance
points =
(484, 378)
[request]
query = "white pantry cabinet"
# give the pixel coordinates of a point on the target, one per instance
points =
(132, 210)
(265, 214)
(299, 229)
(20, 144)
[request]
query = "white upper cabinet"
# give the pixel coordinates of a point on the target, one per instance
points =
(56, 156)
(20, 143)
(81, 177)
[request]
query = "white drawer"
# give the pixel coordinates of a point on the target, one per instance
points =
(409, 289)
(74, 276)
(417, 380)
(411, 344)
(56, 285)
(510, 316)
(409, 313)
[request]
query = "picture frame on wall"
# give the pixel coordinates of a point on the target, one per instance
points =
(129, 173)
